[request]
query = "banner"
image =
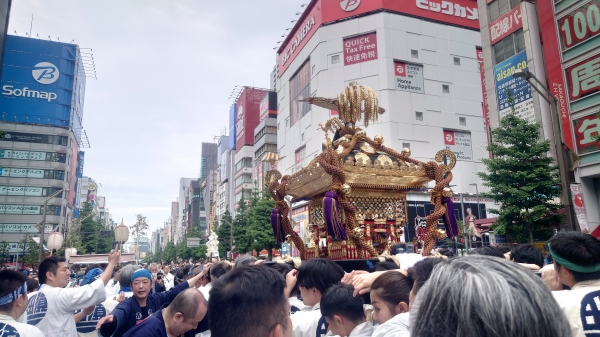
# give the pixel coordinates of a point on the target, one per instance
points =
(409, 77)
(459, 143)
(506, 25)
(519, 88)
(579, 207)
(360, 49)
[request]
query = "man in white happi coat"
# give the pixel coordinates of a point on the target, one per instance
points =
(51, 308)
(13, 303)
(577, 265)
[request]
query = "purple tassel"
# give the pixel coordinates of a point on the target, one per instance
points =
(335, 228)
(276, 224)
(450, 218)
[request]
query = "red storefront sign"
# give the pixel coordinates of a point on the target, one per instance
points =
(360, 49)
(586, 129)
(462, 13)
(554, 66)
(506, 25)
(584, 78)
(449, 138)
(580, 25)
(485, 107)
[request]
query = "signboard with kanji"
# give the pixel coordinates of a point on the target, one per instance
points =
(359, 49)
(409, 77)
(506, 25)
(584, 78)
(580, 25)
(518, 87)
(459, 143)
(586, 130)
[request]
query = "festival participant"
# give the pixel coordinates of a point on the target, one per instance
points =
(32, 285)
(157, 282)
(294, 297)
(487, 250)
(184, 317)
(13, 303)
(390, 294)
(112, 287)
(136, 309)
(212, 272)
(51, 308)
(249, 302)
(419, 274)
(485, 296)
(244, 260)
(313, 277)
(345, 313)
(577, 265)
(527, 256)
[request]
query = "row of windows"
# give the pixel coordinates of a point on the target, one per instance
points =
(33, 155)
(497, 8)
(29, 191)
(31, 173)
(10, 136)
(265, 148)
(264, 131)
(244, 162)
(461, 120)
(509, 46)
(243, 179)
(299, 89)
(246, 193)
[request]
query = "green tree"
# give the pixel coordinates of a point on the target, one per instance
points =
(195, 253)
(158, 254)
(259, 218)
(30, 251)
(89, 230)
(169, 252)
(106, 239)
(523, 179)
(224, 233)
(241, 233)
(4, 252)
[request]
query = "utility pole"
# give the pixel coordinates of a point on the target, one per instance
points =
(42, 225)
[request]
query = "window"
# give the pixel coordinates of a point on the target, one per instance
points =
(462, 121)
(302, 136)
(414, 54)
(406, 146)
(335, 59)
(445, 88)
(243, 179)
(419, 115)
(299, 89)
(457, 61)
(244, 162)
(287, 122)
(497, 8)
(509, 46)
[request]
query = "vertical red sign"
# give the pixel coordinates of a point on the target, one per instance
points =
(449, 138)
(584, 77)
(554, 66)
(298, 157)
(400, 69)
(360, 49)
(484, 106)
(506, 25)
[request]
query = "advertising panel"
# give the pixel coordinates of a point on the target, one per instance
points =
(21, 209)
(232, 124)
(224, 166)
(554, 70)
(459, 143)
(248, 115)
(34, 138)
(268, 105)
(23, 228)
(409, 77)
(21, 172)
(79, 173)
(582, 24)
(25, 155)
(359, 49)
(519, 88)
(506, 25)
(485, 107)
(584, 78)
(462, 13)
(37, 81)
(21, 190)
(579, 206)
(586, 129)
(239, 126)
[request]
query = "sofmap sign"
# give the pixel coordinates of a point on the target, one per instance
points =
(37, 82)
(519, 88)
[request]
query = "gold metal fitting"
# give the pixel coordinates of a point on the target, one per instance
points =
(378, 139)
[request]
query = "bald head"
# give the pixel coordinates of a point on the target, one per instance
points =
(188, 302)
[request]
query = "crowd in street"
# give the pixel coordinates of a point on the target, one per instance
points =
(486, 293)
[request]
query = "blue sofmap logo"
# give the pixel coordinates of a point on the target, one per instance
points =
(45, 73)
(37, 307)
(88, 323)
(8, 331)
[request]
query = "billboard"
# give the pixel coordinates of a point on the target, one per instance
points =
(232, 125)
(268, 105)
(484, 106)
(462, 13)
(39, 80)
(248, 115)
(506, 25)
(519, 88)
(358, 49)
(79, 173)
(459, 143)
(584, 78)
(409, 77)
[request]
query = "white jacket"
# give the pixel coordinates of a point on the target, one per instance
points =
(9, 327)
(309, 323)
(396, 326)
(51, 308)
(362, 330)
(581, 305)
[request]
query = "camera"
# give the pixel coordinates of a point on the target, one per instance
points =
(159, 275)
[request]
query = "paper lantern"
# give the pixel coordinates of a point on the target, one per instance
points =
(54, 241)
(122, 233)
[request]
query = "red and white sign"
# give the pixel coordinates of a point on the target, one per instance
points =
(584, 77)
(586, 131)
(449, 137)
(459, 143)
(360, 49)
(485, 107)
(506, 25)
(580, 25)
(400, 69)
(579, 206)
(554, 66)
(298, 157)
(349, 5)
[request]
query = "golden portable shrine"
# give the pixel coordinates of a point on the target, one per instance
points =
(357, 187)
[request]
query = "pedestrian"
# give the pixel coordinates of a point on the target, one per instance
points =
(313, 277)
(184, 317)
(142, 304)
(480, 295)
(576, 258)
(344, 312)
(212, 272)
(13, 303)
(528, 256)
(112, 287)
(249, 302)
(51, 308)
(168, 277)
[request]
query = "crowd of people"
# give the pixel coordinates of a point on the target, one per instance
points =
(490, 292)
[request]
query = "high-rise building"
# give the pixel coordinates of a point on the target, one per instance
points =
(4, 18)
(208, 159)
(183, 212)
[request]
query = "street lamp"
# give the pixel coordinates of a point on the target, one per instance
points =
(558, 138)
(42, 225)
(477, 194)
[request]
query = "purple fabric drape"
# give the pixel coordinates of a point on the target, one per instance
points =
(335, 228)
(449, 218)
(276, 224)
